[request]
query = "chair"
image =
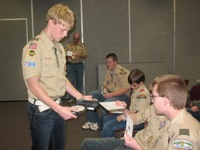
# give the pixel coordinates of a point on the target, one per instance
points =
(195, 92)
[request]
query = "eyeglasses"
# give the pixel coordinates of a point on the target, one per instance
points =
(152, 96)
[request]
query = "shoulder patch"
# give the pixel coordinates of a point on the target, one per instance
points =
(182, 144)
(31, 52)
(29, 64)
(32, 46)
(142, 90)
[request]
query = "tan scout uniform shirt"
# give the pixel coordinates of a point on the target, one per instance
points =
(39, 59)
(140, 99)
(116, 79)
(183, 133)
(157, 125)
(78, 49)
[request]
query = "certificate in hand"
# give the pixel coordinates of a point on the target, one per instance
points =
(129, 126)
(111, 106)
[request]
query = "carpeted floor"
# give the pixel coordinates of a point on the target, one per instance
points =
(14, 128)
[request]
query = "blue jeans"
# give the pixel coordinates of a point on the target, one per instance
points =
(110, 125)
(75, 75)
(47, 129)
(92, 116)
(103, 144)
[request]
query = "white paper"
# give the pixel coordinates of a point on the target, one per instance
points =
(111, 106)
(69, 53)
(129, 126)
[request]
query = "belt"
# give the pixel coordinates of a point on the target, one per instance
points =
(74, 63)
(41, 106)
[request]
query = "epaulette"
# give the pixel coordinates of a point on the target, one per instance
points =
(34, 39)
(32, 46)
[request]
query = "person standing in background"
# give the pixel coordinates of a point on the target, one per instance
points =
(76, 53)
(43, 65)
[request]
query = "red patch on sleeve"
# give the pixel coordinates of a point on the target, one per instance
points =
(142, 90)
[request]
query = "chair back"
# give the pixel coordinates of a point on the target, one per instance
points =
(195, 92)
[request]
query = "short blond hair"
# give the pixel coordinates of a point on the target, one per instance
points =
(60, 13)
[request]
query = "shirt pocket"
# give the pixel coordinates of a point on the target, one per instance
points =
(49, 68)
(63, 66)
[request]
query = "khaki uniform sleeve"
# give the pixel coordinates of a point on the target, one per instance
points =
(31, 62)
(185, 142)
(183, 132)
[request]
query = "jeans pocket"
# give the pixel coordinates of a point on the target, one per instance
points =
(44, 113)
